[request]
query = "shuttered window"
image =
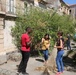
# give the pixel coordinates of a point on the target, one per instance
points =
(10, 5)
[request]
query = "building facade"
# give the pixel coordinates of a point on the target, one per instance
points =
(64, 8)
(72, 10)
(47, 3)
(8, 11)
(59, 5)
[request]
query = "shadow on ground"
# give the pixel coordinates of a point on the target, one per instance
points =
(40, 60)
(70, 63)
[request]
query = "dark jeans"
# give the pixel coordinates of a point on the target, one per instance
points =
(59, 61)
(68, 46)
(24, 61)
(45, 52)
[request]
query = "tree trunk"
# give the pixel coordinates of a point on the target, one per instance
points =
(52, 59)
(51, 65)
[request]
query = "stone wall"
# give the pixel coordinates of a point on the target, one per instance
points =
(6, 22)
(1, 35)
(19, 6)
(2, 5)
(8, 42)
(72, 11)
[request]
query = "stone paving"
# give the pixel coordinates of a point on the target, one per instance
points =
(10, 68)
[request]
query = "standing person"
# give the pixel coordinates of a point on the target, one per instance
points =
(68, 42)
(25, 50)
(60, 51)
(45, 46)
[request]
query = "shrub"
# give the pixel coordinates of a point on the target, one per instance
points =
(41, 21)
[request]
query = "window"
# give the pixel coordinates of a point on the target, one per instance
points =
(69, 11)
(10, 6)
(75, 12)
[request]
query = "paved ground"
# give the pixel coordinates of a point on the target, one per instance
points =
(32, 67)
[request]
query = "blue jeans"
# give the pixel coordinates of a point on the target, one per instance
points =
(45, 52)
(59, 61)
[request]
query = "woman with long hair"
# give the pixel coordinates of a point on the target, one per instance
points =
(45, 46)
(60, 51)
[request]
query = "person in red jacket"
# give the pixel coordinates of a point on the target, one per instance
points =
(25, 51)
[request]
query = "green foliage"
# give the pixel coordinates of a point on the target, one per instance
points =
(42, 22)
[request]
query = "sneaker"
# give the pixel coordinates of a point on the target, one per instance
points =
(58, 73)
(19, 74)
(62, 72)
(25, 73)
(19, 71)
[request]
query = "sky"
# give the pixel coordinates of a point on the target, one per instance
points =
(70, 1)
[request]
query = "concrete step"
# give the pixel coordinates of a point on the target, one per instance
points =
(3, 58)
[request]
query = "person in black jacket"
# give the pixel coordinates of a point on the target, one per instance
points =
(68, 42)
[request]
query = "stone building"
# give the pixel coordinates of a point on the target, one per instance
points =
(8, 10)
(59, 5)
(64, 8)
(47, 3)
(72, 10)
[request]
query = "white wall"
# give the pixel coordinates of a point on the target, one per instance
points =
(7, 34)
